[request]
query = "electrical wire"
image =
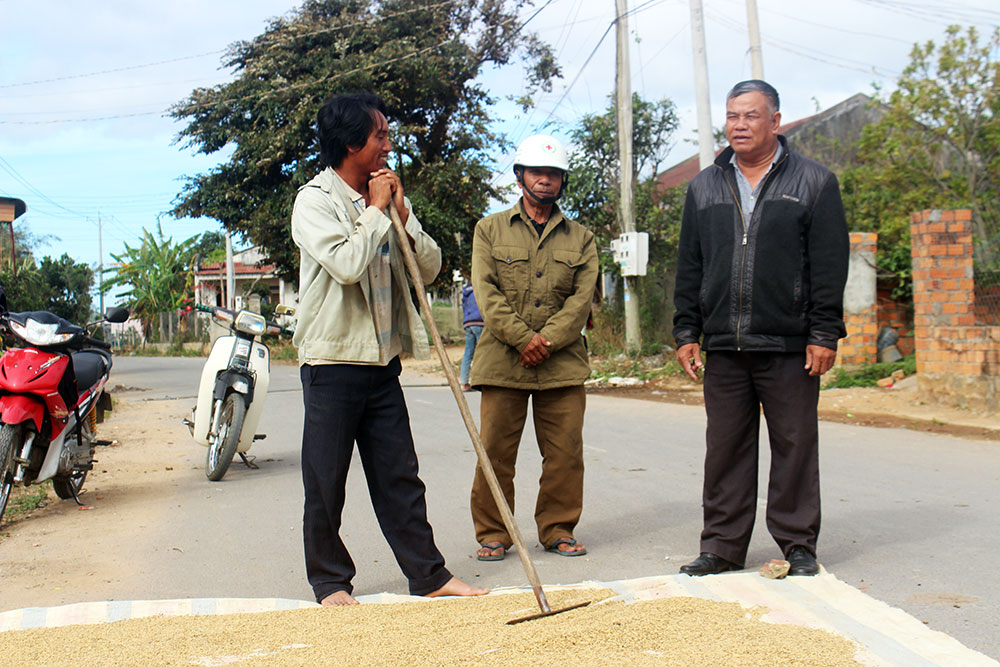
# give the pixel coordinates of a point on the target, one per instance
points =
(278, 41)
(825, 26)
(935, 13)
(263, 94)
(9, 168)
(803, 51)
(110, 71)
(508, 160)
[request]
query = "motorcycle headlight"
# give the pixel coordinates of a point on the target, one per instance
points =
(37, 333)
(250, 323)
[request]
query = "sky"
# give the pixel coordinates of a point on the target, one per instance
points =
(84, 87)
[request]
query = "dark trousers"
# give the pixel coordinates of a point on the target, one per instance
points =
(558, 419)
(737, 385)
(345, 404)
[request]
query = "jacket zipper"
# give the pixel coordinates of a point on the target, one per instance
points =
(743, 251)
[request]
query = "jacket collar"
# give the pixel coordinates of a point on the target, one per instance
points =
(518, 212)
(329, 180)
(724, 159)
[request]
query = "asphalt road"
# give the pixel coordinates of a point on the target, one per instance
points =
(908, 517)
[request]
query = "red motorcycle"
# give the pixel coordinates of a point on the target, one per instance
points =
(51, 399)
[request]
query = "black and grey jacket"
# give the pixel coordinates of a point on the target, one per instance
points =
(779, 286)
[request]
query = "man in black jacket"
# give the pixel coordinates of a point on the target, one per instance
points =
(761, 269)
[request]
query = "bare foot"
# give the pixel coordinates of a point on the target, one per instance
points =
(339, 599)
(456, 586)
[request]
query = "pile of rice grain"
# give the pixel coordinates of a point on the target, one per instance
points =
(670, 631)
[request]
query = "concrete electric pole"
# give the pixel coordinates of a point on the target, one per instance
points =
(100, 264)
(230, 273)
(623, 104)
(756, 55)
(706, 144)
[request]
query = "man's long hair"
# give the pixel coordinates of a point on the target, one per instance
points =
(346, 121)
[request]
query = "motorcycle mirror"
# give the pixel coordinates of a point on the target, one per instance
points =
(282, 309)
(116, 314)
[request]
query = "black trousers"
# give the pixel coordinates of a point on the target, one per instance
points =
(345, 404)
(737, 385)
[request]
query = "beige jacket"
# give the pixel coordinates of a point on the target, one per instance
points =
(526, 285)
(337, 244)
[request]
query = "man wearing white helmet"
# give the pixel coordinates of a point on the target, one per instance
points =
(534, 272)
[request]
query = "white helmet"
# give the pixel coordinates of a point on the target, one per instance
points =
(541, 150)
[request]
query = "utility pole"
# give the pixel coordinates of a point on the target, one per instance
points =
(230, 273)
(100, 264)
(623, 104)
(756, 55)
(706, 144)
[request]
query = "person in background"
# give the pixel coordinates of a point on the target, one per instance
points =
(472, 322)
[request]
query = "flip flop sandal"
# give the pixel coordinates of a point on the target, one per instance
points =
(493, 546)
(554, 548)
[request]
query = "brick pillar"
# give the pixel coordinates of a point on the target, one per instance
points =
(958, 361)
(943, 288)
(860, 310)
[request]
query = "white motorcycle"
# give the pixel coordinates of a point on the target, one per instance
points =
(233, 386)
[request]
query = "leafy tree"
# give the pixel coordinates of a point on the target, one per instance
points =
(421, 57)
(211, 246)
(938, 146)
(61, 286)
(157, 273)
(24, 288)
(68, 285)
(592, 196)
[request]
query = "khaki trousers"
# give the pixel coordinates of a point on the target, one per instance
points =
(558, 420)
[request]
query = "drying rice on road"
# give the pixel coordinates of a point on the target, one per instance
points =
(668, 631)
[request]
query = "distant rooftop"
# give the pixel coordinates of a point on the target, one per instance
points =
(682, 172)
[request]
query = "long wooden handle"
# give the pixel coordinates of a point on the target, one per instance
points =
(463, 407)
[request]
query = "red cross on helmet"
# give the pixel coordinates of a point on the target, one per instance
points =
(541, 150)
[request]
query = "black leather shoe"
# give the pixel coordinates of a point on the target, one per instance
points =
(802, 563)
(708, 563)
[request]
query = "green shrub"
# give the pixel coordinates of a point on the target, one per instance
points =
(869, 375)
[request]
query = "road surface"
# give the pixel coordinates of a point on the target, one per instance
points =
(908, 517)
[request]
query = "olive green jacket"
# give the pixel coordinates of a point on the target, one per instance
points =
(526, 285)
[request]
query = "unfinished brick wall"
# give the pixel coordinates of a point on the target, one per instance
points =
(860, 312)
(958, 361)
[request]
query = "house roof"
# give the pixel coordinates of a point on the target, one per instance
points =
(682, 172)
(239, 268)
(245, 263)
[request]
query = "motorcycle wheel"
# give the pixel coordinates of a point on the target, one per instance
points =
(69, 487)
(222, 451)
(11, 437)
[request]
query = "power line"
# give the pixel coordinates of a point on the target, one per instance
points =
(635, 10)
(935, 13)
(277, 41)
(803, 51)
(110, 71)
(272, 91)
(6, 166)
(827, 26)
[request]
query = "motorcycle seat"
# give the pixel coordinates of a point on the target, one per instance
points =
(88, 367)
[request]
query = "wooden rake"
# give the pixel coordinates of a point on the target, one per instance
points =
(470, 425)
